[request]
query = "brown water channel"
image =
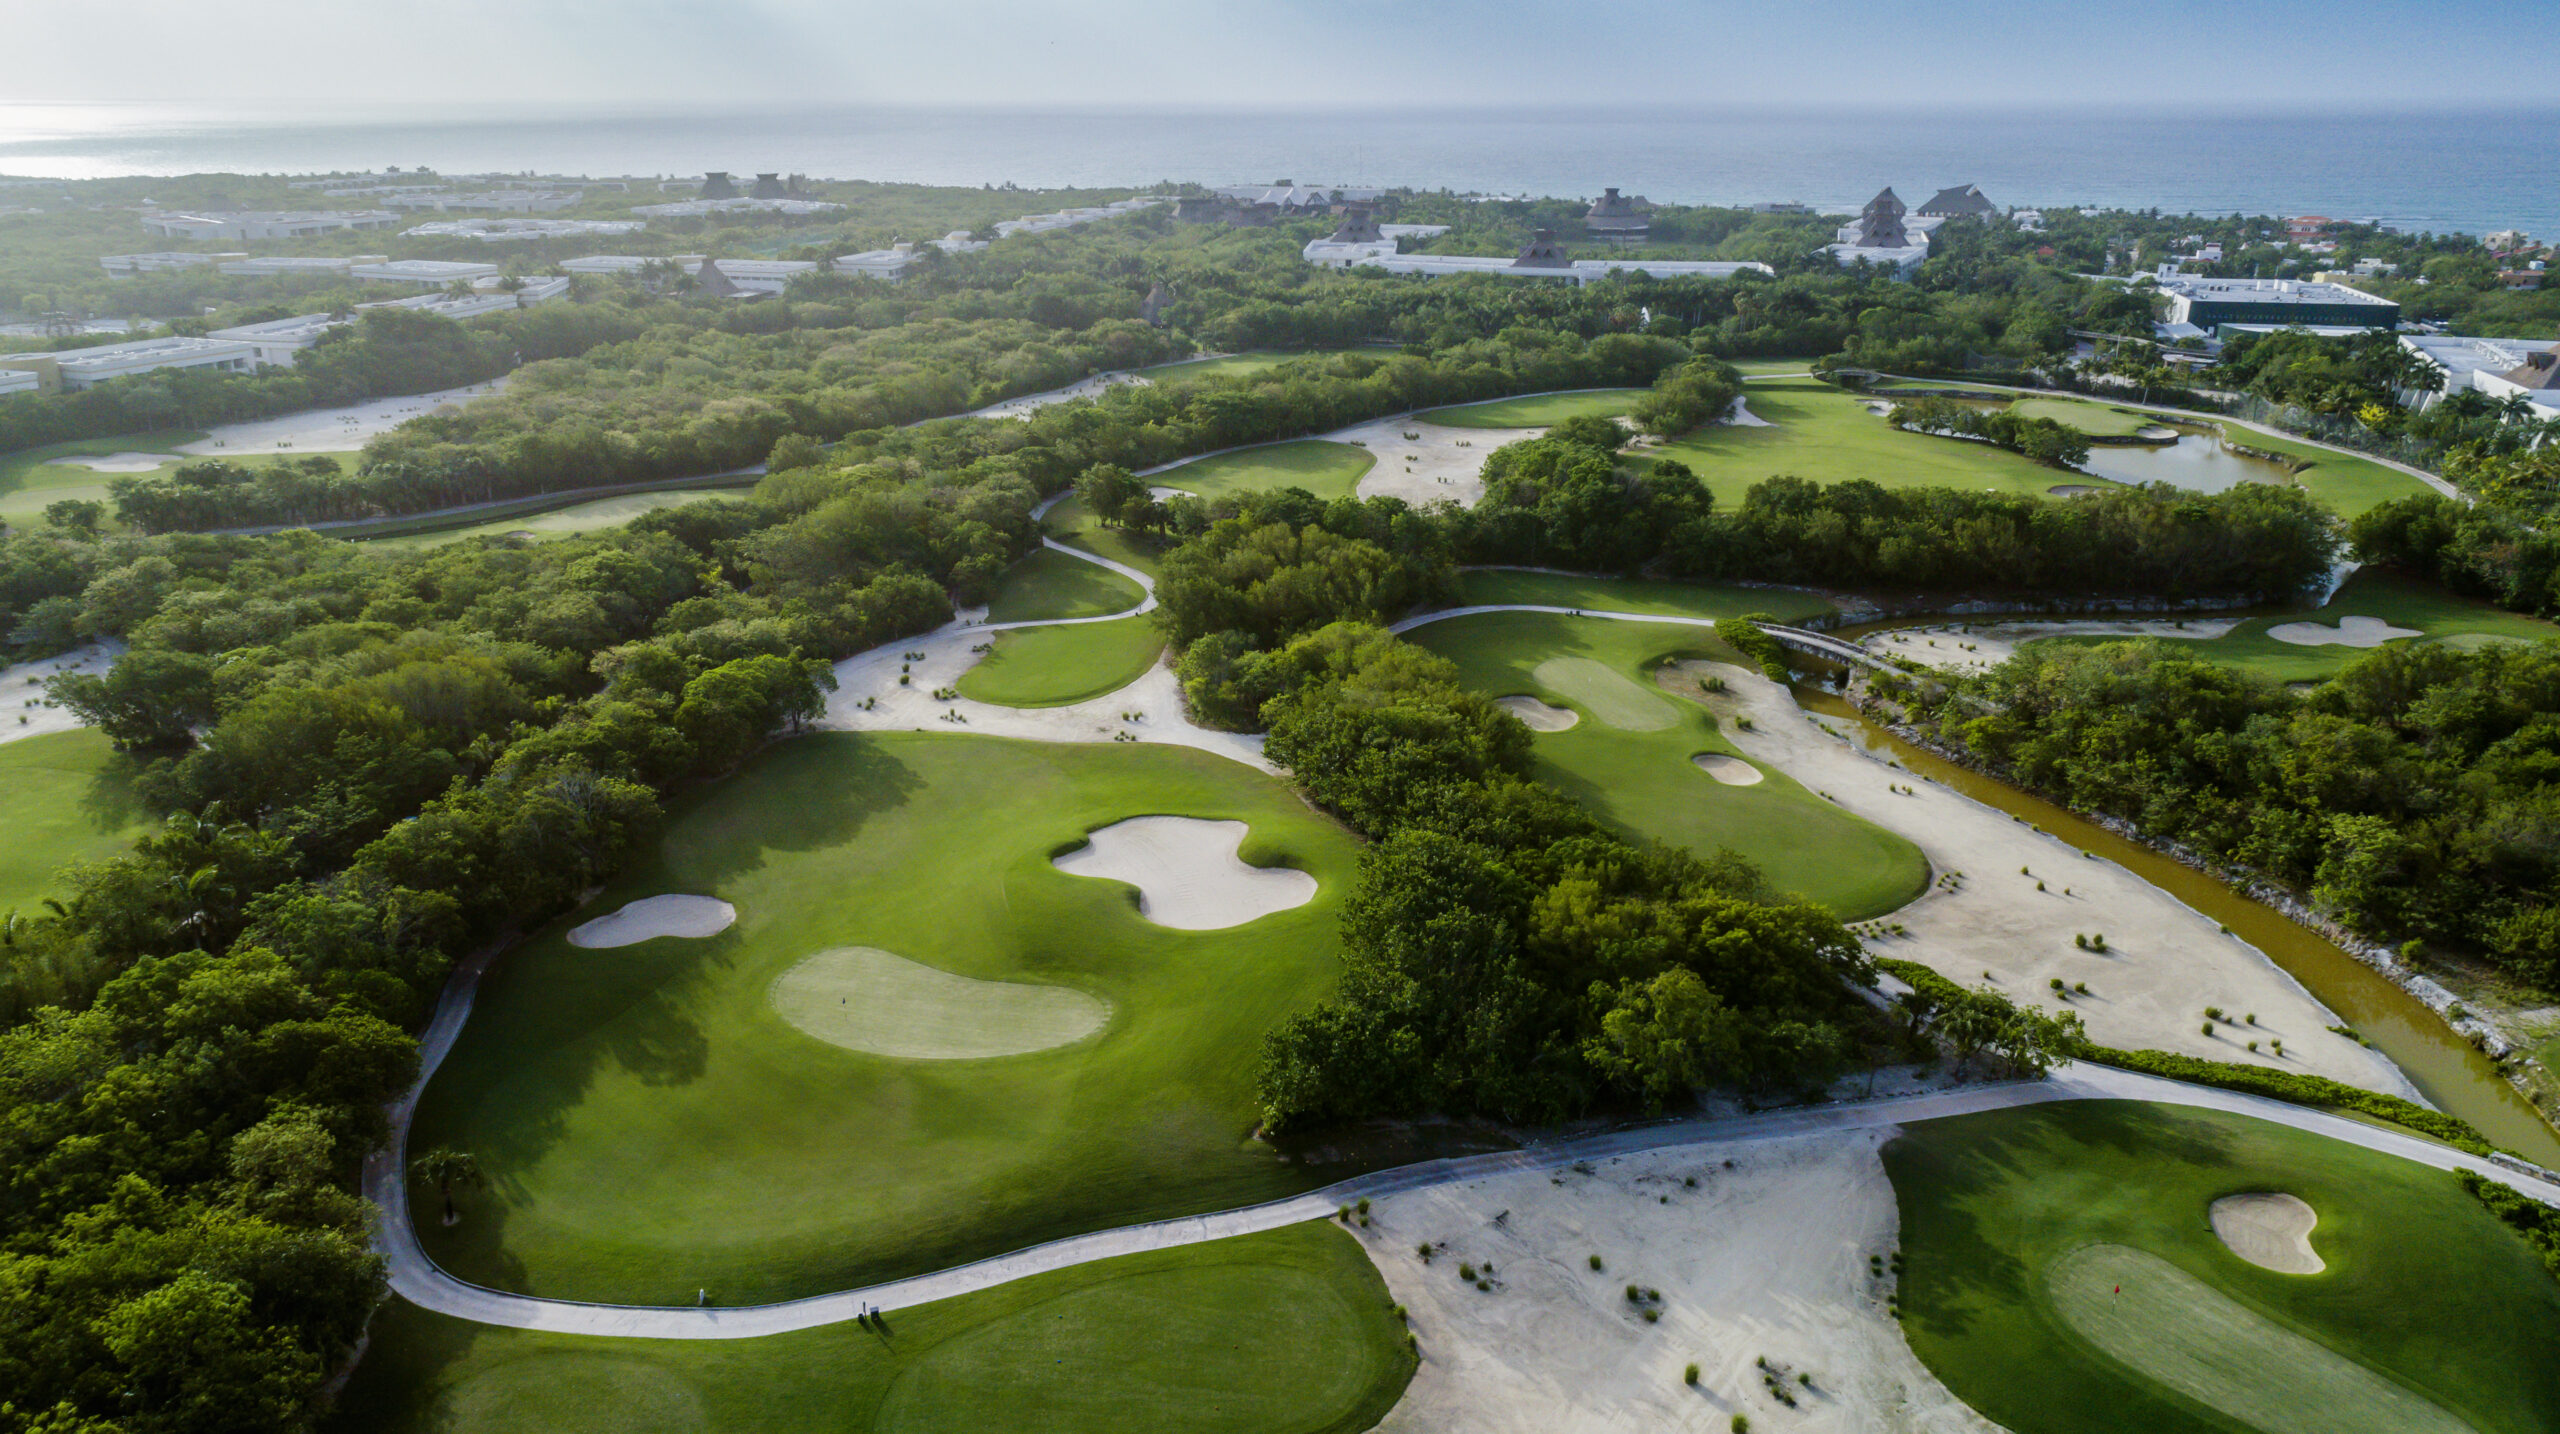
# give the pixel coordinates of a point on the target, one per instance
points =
(2444, 1066)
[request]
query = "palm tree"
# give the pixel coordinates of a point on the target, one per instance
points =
(445, 1168)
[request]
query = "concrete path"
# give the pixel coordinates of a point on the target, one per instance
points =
(418, 1280)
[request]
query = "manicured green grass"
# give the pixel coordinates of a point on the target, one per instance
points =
(1049, 584)
(1072, 525)
(2345, 482)
(1287, 1332)
(1328, 470)
(1482, 587)
(65, 797)
(1248, 363)
(1053, 666)
(1537, 410)
(1768, 367)
(1828, 436)
(651, 1126)
(1627, 760)
(559, 522)
(2096, 419)
(2016, 1226)
(2397, 599)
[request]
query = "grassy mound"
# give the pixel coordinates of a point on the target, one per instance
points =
(1826, 435)
(65, 797)
(1049, 584)
(1630, 765)
(1536, 411)
(2063, 1277)
(652, 1125)
(1053, 666)
(2095, 419)
(1287, 1332)
(1328, 470)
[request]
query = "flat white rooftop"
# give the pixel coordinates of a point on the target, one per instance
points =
(423, 271)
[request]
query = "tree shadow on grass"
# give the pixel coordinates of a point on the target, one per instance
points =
(110, 804)
(806, 794)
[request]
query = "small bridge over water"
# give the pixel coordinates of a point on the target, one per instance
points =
(1823, 645)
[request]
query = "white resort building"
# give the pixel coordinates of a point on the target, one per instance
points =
(423, 271)
(502, 231)
(265, 223)
(86, 368)
(1887, 235)
(1363, 243)
(318, 266)
(2498, 368)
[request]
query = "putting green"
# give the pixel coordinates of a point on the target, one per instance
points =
(1288, 1332)
(2175, 1330)
(1328, 470)
(1630, 765)
(1049, 584)
(65, 797)
(2020, 1227)
(865, 999)
(652, 1125)
(2095, 419)
(1054, 666)
(1541, 410)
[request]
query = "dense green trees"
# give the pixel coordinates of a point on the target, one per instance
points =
(2484, 551)
(2417, 793)
(2042, 439)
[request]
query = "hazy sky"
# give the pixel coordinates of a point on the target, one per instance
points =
(481, 55)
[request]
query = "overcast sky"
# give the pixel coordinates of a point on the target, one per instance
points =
(485, 55)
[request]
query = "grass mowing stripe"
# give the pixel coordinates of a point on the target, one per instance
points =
(2177, 1331)
(2424, 1288)
(1287, 1332)
(1536, 410)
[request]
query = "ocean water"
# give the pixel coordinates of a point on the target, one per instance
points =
(2434, 170)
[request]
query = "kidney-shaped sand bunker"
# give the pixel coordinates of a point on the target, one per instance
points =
(2269, 1229)
(1187, 872)
(693, 917)
(866, 999)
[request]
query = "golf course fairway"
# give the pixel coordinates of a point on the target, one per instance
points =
(653, 1126)
(65, 797)
(2063, 1277)
(1287, 1332)
(1628, 761)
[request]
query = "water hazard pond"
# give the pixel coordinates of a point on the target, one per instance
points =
(2452, 1074)
(2197, 462)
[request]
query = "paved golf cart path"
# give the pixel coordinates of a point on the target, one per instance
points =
(418, 1279)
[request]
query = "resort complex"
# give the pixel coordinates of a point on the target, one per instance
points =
(660, 804)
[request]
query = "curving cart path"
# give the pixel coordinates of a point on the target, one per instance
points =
(418, 1279)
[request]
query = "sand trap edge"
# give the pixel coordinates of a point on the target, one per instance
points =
(1538, 715)
(1133, 849)
(1732, 771)
(2269, 1229)
(676, 914)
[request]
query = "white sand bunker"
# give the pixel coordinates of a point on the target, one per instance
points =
(1537, 715)
(2270, 1230)
(2350, 632)
(866, 999)
(2071, 490)
(1187, 872)
(1732, 771)
(1740, 416)
(114, 462)
(692, 917)
(1606, 693)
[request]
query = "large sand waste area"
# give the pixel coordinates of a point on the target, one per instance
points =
(1764, 1256)
(2269, 1229)
(866, 999)
(1187, 872)
(693, 917)
(1426, 463)
(22, 688)
(2016, 903)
